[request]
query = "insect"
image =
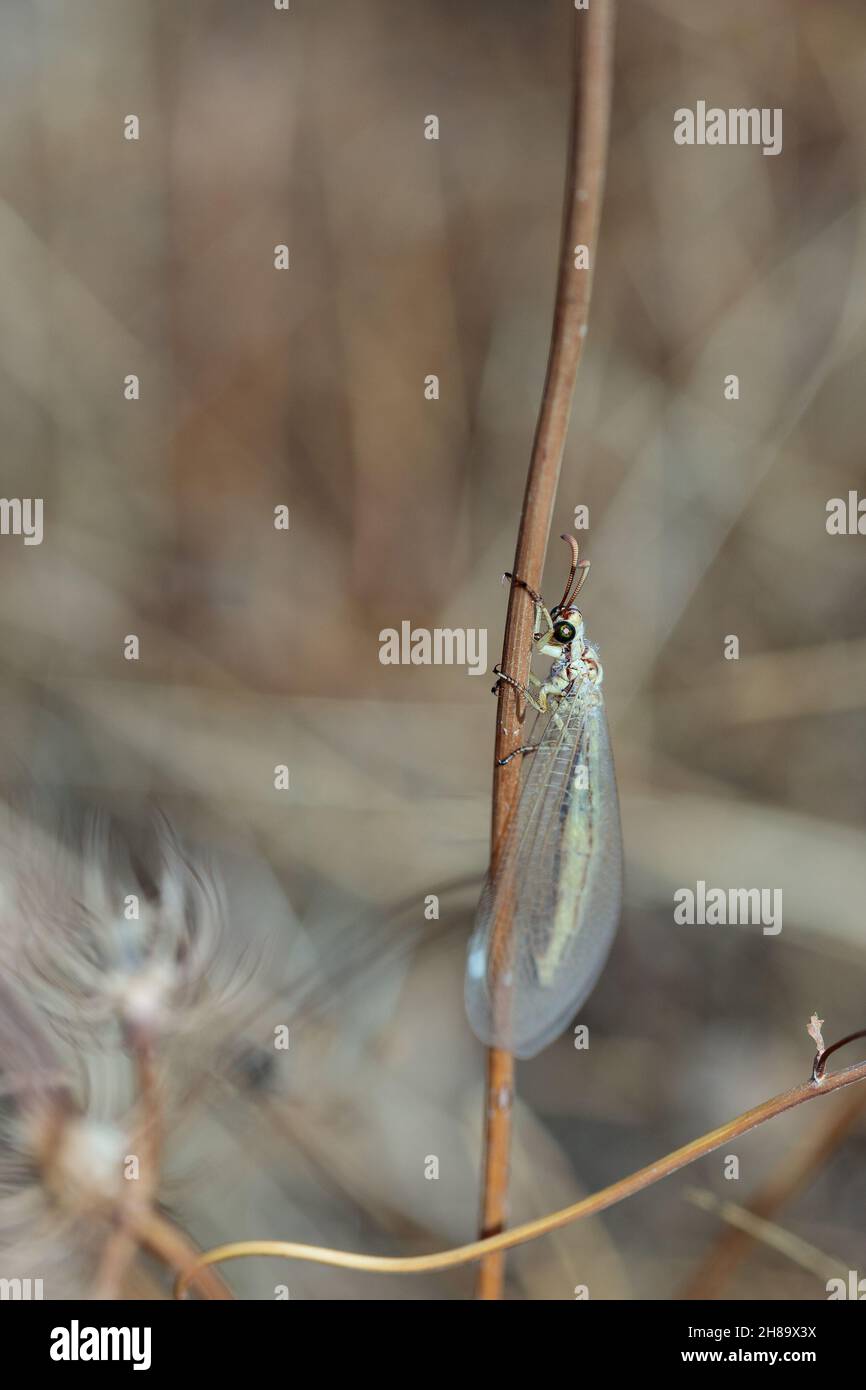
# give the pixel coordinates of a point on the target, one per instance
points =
(547, 918)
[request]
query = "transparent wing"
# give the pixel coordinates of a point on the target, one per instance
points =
(558, 888)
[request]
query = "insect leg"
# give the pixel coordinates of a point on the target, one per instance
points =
(523, 690)
(558, 696)
(542, 637)
(541, 611)
(524, 748)
(536, 598)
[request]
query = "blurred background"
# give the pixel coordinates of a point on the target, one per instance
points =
(259, 647)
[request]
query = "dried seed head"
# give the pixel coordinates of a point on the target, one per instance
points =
(123, 987)
(813, 1028)
(81, 1161)
(141, 941)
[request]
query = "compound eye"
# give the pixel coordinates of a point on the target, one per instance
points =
(564, 633)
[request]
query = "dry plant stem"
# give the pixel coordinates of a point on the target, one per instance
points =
(122, 1244)
(530, 1230)
(590, 112)
(785, 1243)
(734, 1244)
(118, 1254)
(158, 1235)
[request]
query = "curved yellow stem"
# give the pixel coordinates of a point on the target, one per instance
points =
(530, 1230)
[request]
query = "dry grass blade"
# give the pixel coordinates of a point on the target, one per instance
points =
(734, 1244)
(800, 1252)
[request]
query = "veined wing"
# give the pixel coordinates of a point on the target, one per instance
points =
(558, 887)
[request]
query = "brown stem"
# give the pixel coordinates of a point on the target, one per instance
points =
(593, 55)
(122, 1244)
(163, 1239)
(725, 1254)
(118, 1254)
(530, 1230)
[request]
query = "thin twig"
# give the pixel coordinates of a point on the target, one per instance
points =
(587, 154)
(823, 1056)
(798, 1251)
(122, 1244)
(530, 1230)
(718, 1265)
(117, 1256)
(162, 1238)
